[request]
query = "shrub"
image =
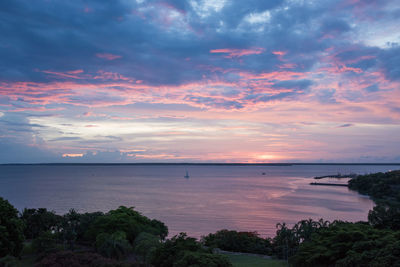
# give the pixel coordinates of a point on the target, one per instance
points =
(44, 243)
(201, 259)
(248, 242)
(69, 258)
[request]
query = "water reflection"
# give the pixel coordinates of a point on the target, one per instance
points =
(215, 197)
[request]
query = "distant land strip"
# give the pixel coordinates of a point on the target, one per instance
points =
(195, 164)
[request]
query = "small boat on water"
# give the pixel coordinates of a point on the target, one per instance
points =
(186, 175)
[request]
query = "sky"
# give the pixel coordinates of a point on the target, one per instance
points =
(199, 81)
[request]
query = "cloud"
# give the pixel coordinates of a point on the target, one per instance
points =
(232, 53)
(107, 56)
(12, 152)
(332, 27)
(293, 84)
(66, 138)
(372, 88)
(94, 63)
(390, 60)
(346, 125)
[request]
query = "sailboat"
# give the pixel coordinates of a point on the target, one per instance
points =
(186, 175)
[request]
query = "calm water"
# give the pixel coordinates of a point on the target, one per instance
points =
(213, 198)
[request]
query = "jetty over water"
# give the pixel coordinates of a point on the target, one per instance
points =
(337, 176)
(330, 184)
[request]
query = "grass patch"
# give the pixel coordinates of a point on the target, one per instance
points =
(254, 261)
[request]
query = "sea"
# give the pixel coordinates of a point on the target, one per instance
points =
(214, 197)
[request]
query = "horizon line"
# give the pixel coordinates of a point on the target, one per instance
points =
(205, 163)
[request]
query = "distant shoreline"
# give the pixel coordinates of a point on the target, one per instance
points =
(193, 164)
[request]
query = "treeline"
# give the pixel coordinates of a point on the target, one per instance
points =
(121, 237)
(372, 243)
(381, 187)
(384, 189)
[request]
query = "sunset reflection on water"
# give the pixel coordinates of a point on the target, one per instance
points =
(213, 198)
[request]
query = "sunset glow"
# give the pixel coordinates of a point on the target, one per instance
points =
(197, 81)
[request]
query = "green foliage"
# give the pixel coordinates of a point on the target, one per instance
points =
(384, 216)
(349, 244)
(39, 220)
(382, 187)
(70, 224)
(9, 261)
(85, 221)
(11, 230)
(287, 241)
(44, 243)
(254, 261)
(173, 250)
(114, 245)
(127, 220)
(145, 245)
(201, 259)
(248, 242)
(69, 258)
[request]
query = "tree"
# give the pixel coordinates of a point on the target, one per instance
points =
(39, 220)
(11, 230)
(287, 241)
(349, 244)
(145, 245)
(383, 216)
(182, 250)
(127, 220)
(173, 249)
(114, 245)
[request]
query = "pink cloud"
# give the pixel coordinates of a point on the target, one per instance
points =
(275, 75)
(279, 53)
(107, 56)
(107, 75)
(71, 155)
(232, 53)
(68, 74)
(288, 66)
